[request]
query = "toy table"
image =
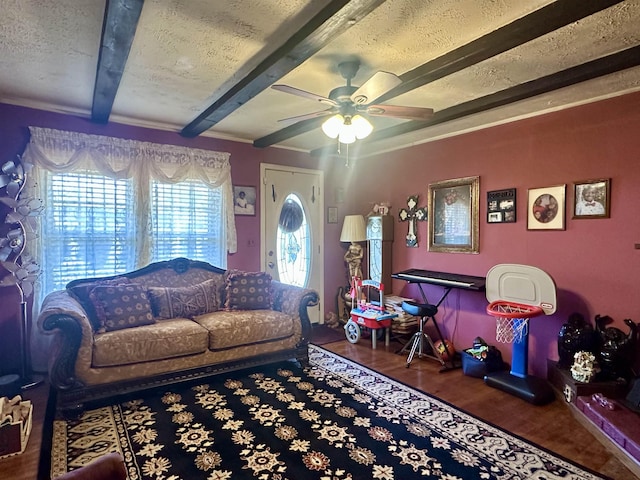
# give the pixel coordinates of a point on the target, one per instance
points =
(369, 314)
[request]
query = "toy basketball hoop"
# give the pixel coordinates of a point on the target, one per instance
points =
(516, 294)
(512, 320)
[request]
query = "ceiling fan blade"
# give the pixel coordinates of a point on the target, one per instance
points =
(379, 84)
(306, 116)
(397, 111)
(304, 94)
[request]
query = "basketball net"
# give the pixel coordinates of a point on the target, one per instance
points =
(512, 320)
(511, 330)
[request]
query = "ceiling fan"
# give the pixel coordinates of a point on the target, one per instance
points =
(348, 103)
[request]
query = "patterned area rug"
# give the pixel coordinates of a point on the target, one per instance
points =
(334, 421)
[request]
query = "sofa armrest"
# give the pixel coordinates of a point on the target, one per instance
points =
(61, 315)
(294, 301)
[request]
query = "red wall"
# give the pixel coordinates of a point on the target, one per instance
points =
(593, 262)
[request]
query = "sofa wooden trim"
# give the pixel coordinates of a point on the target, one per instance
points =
(72, 394)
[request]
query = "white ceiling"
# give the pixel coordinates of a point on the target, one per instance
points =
(187, 53)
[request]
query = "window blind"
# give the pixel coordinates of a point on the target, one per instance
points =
(89, 226)
(187, 222)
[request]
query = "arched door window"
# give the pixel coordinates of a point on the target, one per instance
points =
(293, 243)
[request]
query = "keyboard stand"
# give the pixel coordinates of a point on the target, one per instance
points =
(418, 338)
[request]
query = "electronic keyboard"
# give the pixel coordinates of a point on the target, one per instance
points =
(453, 280)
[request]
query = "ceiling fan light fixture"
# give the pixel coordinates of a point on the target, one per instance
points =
(347, 134)
(362, 126)
(332, 126)
(347, 128)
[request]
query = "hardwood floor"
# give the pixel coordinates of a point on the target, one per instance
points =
(551, 426)
(25, 465)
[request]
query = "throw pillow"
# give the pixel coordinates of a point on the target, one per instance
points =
(81, 293)
(248, 290)
(121, 306)
(184, 302)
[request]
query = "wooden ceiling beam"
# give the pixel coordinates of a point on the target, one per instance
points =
(540, 22)
(333, 20)
(290, 131)
(613, 63)
(118, 29)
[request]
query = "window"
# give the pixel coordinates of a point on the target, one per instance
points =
(86, 228)
(112, 205)
(89, 226)
(294, 245)
(187, 222)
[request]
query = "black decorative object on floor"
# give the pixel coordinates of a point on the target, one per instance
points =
(617, 348)
(576, 335)
(335, 420)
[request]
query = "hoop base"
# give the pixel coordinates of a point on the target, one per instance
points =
(531, 389)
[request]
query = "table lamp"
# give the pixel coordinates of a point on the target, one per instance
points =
(354, 231)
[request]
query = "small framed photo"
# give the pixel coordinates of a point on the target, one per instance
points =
(244, 200)
(501, 206)
(591, 198)
(545, 209)
(495, 217)
(332, 214)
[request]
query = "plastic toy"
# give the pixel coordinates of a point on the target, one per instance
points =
(445, 350)
(366, 313)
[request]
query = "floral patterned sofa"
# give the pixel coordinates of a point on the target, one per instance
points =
(169, 321)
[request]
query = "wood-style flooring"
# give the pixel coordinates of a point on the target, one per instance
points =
(551, 426)
(25, 465)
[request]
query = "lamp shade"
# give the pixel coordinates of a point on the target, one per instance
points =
(362, 126)
(347, 128)
(331, 127)
(347, 134)
(353, 229)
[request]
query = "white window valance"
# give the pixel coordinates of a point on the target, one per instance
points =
(61, 151)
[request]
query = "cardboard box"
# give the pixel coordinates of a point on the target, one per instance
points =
(14, 435)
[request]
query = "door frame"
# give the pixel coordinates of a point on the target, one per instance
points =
(319, 240)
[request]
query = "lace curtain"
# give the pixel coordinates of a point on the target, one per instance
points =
(60, 151)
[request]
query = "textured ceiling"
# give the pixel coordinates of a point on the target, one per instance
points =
(187, 53)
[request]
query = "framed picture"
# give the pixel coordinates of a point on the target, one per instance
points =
(454, 215)
(591, 198)
(545, 208)
(501, 206)
(332, 214)
(244, 200)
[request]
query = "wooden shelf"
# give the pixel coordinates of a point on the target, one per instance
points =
(571, 389)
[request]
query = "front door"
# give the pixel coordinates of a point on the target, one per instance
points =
(292, 228)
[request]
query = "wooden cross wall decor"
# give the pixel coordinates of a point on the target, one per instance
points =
(412, 215)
